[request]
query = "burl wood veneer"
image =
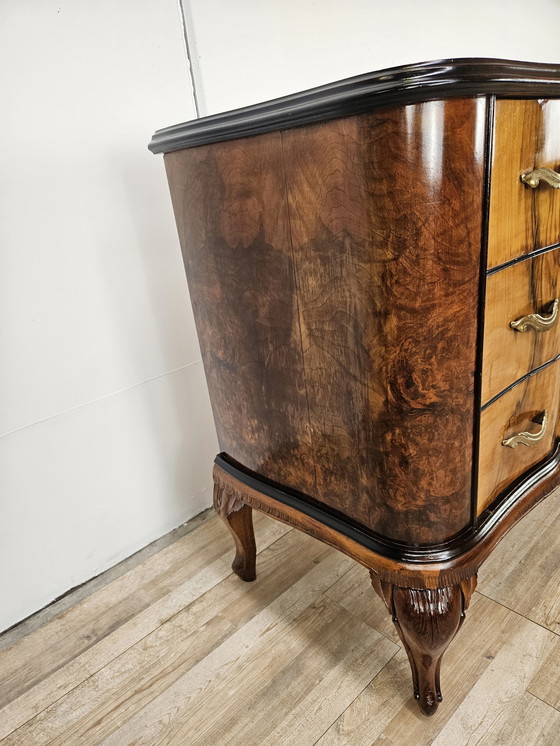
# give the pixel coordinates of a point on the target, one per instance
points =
(356, 255)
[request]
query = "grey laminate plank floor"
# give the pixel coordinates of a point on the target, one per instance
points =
(172, 648)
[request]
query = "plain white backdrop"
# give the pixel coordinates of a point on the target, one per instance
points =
(253, 50)
(106, 434)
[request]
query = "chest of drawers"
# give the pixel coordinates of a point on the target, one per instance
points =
(375, 278)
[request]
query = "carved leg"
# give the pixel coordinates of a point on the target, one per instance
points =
(426, 620)
(238, 517)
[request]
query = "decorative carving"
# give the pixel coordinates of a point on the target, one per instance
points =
(238, 517)
(281, 516)
(226, 499)
(427, 619)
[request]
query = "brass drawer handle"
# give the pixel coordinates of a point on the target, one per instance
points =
(533, 178)
(536, 321)
(528, 439)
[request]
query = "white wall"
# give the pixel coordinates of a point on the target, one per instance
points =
(253, 50)
(106, 433)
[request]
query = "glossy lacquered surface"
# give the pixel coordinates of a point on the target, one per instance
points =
(519, 410)
(358, 344)
(524, 289)
(427, 601)
(403, 85)
(327, 299)
(522, 219)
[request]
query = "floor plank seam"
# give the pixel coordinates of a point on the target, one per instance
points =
(513, 611)
(349, 611)
(224, 557)
(337, 725)
(336, 581)
(105, 665)
(96, 642)
(359, 693)
(98, 670)
(76, 595)
(552, 707)
(124, 651)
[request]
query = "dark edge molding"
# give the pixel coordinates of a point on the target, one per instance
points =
(523, 258)
(495, 515)
(401, 85)
(488, 153)
(520, 380)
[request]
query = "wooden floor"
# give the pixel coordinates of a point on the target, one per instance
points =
(179, 651)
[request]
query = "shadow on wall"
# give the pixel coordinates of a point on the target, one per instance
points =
(181, 404)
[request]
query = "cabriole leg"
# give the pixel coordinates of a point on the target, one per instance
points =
(238, 517)
(426, 620)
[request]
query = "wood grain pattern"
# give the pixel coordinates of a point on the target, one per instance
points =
(276, 674)
(332, 382)
(350, 690)
(522, 289)
(427, 601)
(239, 519)
(395, 86)
(230, 206)
(511, 715)
(385, 220)
(523, 219)
(196, 641)
(334, 272)
(518, 410)
(426, 620)
(494, 647)
(546, 682)
(398, 571)
(46, 665)
(113, 607)
(535, 593)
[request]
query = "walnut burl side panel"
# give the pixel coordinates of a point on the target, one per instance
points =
(529, 287)
(385, 216)
(522, 219)
(231, 211)
(334, 272)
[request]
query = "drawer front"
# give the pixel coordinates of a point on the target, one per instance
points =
(519, 410)
(524, 293)
(523, 219)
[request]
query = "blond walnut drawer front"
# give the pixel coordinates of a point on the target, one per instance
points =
(523, 219)
(521, 325)
(519, 410)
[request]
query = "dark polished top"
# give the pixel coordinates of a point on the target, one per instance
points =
(396, 85)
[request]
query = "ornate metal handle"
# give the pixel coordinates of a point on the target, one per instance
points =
(528, 439)
(533, 178)
(536, 321)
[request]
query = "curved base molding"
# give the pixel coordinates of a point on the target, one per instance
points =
(426, 589)
(414, 566)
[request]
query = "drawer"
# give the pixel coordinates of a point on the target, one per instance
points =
(519, 410)
(522, 219)
(516, 292)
